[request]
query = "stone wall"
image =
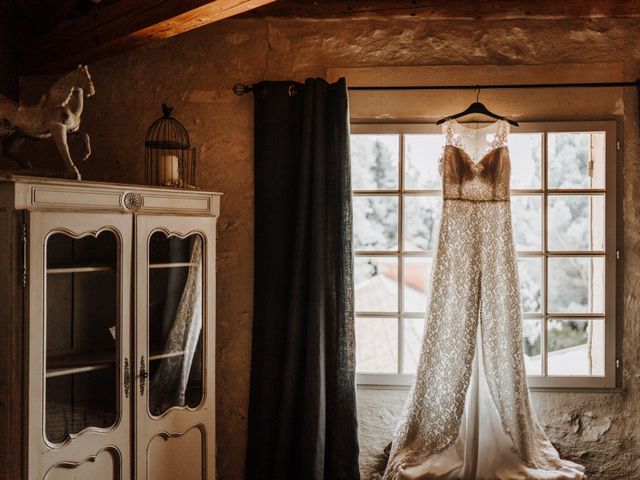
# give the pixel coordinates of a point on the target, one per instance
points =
(194, 73)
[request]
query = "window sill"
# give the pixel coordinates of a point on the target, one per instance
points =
(612, 391)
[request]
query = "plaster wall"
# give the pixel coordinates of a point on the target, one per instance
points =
(194, 73)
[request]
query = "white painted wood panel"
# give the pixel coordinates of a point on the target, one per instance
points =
(177, 456)
(106, 465)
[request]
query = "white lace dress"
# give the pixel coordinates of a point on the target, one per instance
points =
(468, 415)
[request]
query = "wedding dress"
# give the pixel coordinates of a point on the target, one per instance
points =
(468, 414)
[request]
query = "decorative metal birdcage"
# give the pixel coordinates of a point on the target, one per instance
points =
(169, 158)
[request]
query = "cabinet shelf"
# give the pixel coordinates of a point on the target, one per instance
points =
(70, 364)
(170, 265)
(162, 355)
(58, 269)
(61, 372)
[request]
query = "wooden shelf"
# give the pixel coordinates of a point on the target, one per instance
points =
(171, 265)
(79, 269)
(62, 372)
(109, 268)
(70, 364)
(160, 356)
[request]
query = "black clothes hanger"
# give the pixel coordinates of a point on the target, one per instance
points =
(477, 107)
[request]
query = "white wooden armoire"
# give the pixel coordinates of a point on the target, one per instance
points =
(107, 331)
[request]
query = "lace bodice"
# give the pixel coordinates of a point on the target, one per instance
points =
(475, 162)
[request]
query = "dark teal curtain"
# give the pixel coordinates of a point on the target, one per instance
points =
(302, 414)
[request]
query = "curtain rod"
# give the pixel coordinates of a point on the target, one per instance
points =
(241, 89)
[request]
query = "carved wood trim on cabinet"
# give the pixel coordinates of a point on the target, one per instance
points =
(44, 194)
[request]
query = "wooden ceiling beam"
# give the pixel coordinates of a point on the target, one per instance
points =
(113, 27)
(452, 9)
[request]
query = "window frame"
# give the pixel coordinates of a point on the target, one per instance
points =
(611, 251)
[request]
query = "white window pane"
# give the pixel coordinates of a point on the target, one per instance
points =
(576, 284)
(576, 222)
(376, 345)
(527, 222)
(530, 273)
(422, 153)
(417, 275)
(421, 221)
(376, 284)
(532, 338)
(413, 331)
(569, 157)
(375, 223)
(576, 347)
(524, 150)
(374, 162)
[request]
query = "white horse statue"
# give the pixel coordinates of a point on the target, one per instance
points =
(57, 114)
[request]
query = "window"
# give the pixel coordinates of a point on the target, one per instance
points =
(564, 216)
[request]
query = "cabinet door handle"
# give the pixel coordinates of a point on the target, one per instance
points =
(127, 377)
(143, 374)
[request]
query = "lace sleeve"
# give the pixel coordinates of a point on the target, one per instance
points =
(502, 135)
(450, 137)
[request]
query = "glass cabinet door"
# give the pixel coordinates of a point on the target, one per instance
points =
(82, 333)
(79, 331)
(175, 322)
(175, 341)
